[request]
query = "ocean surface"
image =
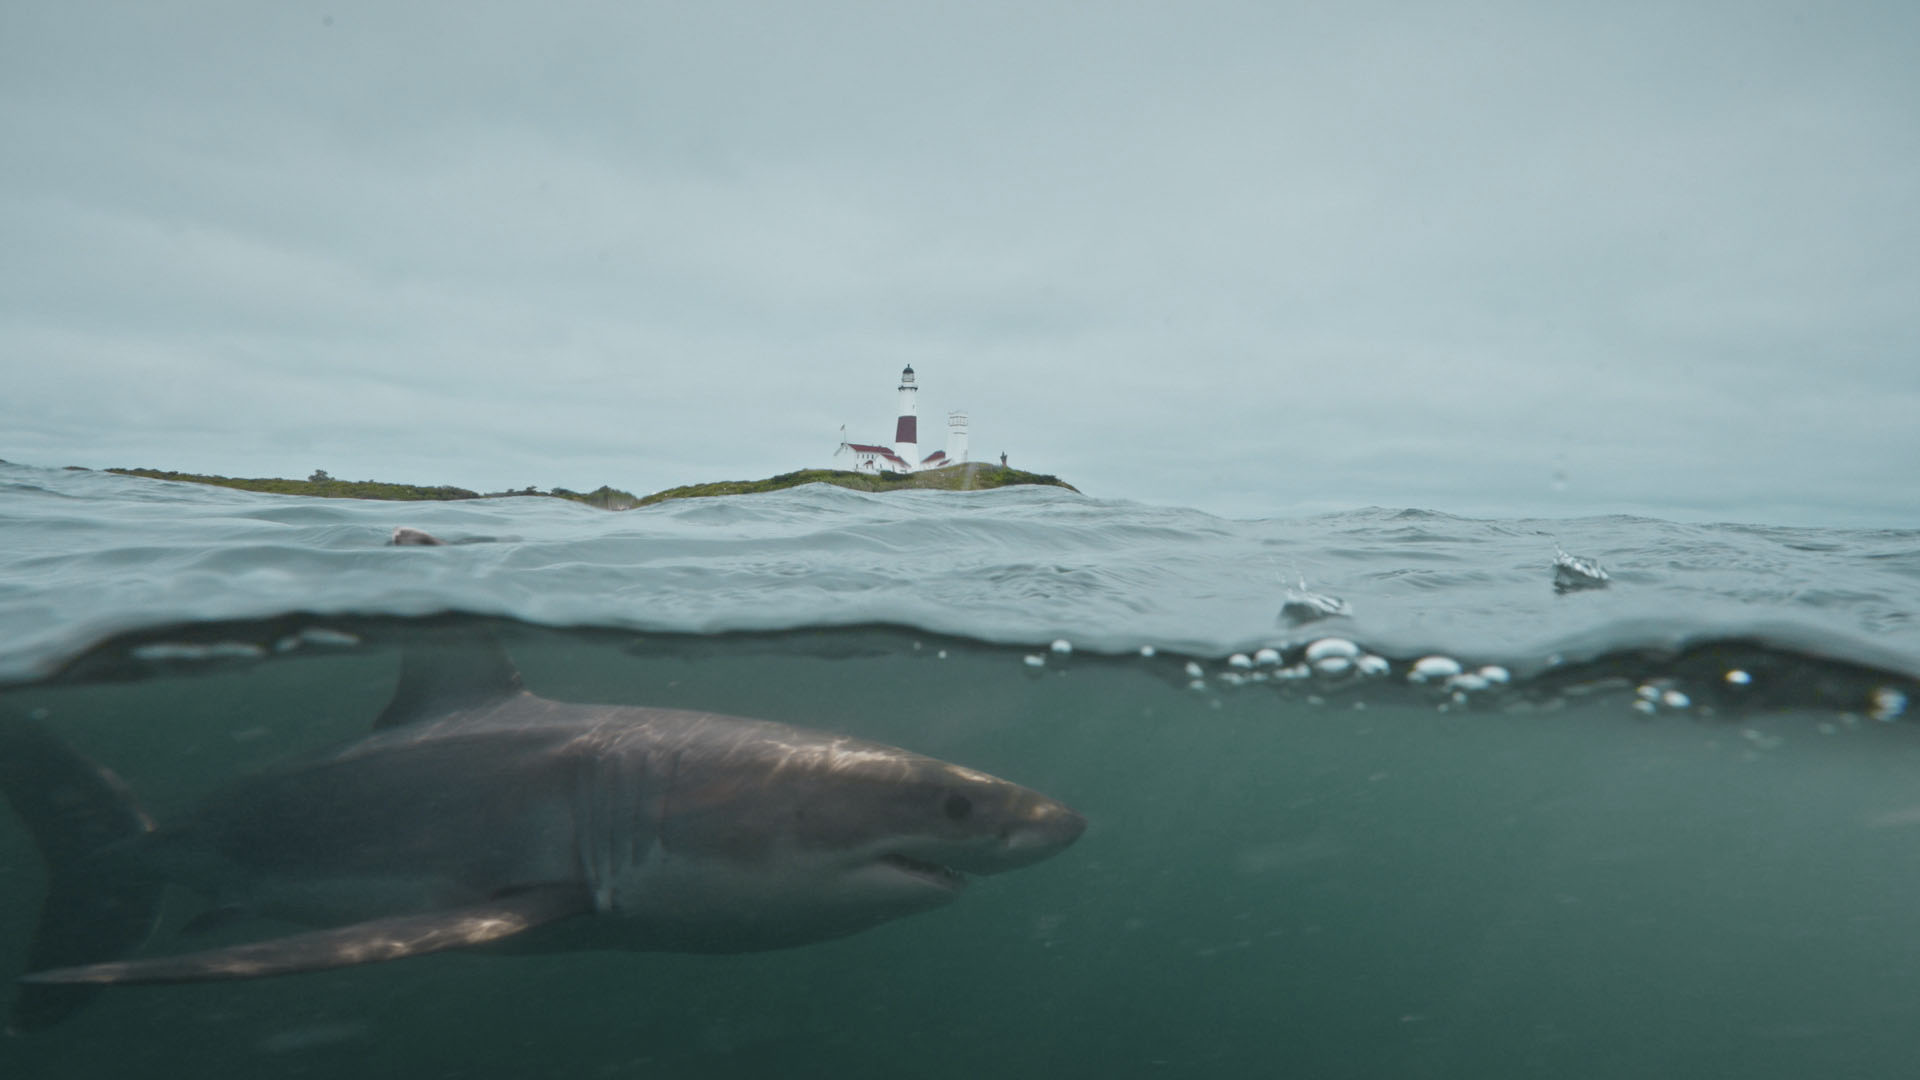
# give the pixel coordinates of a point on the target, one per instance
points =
(1602, 797)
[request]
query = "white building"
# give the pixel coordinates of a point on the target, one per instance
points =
(904, 455)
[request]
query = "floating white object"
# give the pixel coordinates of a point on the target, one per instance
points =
(1146, 650)
(1468, 681)
(1267, 656)
(1305, 606)
(1575, 572)
(1239, 660)
(1674, 699)
(1494, 673)
(1372, 665)
(1036, 660)
(1194, 670)
(1062, 646)
(1737, 677)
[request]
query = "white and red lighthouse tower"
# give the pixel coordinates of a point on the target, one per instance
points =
(906, 433)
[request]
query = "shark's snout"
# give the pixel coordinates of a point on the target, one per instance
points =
(1047, 828)
(1039, 830)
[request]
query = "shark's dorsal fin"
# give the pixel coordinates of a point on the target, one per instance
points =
(345, 946)
(448, 670)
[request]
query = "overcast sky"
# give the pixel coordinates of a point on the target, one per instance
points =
(1263, 259)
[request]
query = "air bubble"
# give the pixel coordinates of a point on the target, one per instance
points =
(1333, 665)
(1887, 703)
(1239, 660)
(1333, 646)
(1433, 667)
(1062, 646)
(1267, 656)
(1035, 660)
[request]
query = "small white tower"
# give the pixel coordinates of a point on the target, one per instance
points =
(906, 434)
(956, 438)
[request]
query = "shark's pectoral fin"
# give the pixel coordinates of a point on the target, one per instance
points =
(360, 943)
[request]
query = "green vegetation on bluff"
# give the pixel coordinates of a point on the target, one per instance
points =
(970, 477)
(326, 487)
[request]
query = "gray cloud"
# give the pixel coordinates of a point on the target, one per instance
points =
(1246, 257)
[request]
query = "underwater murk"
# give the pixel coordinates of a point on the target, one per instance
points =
(1365, 795)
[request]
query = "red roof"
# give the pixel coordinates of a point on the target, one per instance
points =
(937, 455)
(883, 451)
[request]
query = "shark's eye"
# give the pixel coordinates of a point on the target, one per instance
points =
(958, 806)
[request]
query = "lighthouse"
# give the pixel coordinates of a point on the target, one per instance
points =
(904, 455)
(956, 438)
(906, 434)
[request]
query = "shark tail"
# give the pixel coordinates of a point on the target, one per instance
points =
(98, 907)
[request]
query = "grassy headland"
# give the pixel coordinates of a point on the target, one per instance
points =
(326, 487)
(969, 477)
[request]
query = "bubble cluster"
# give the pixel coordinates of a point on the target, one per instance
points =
(1660, 696)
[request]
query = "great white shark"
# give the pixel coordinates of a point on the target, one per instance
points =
(477, 813)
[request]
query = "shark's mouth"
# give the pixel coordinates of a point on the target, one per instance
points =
(931, 873)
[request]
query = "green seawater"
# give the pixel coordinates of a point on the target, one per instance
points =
(1273, 883)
